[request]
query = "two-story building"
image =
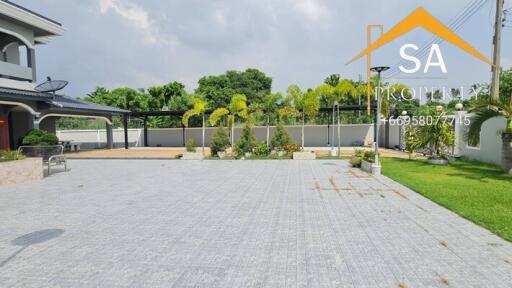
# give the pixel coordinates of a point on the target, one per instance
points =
(22, 108)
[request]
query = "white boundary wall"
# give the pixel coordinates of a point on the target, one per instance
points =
(314, 136)
(490, 146)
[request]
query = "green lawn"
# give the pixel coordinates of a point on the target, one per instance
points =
(479, 192)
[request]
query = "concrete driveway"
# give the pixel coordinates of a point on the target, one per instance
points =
(157, 223)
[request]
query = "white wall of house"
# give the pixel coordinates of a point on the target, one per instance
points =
(490, 146)
(315, 136)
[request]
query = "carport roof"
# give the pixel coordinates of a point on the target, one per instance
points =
(59, 102)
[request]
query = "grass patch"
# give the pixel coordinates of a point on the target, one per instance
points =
(477, 191)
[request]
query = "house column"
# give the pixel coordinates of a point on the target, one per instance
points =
(110, 136)
(31, 63)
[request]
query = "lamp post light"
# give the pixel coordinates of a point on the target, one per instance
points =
(376, 165)
(339, 129)
(334, 105)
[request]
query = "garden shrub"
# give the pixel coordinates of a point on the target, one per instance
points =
(356, 161)
(262, 149)
(359, 153)
(220, 141)
(6, 155)
(247, 140)
(369, 156)
(280, 138)
(290, 148)
(190, 145)
(37, 137)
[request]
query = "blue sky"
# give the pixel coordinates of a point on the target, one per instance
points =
(136, 43)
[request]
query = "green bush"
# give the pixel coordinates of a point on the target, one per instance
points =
(359, 153)
(355, 161)
(369, 156)
(6, 155)
(280, 138)
(247, 140)
(220, 141)
(262, 149)
(190, 145)
(37, 137)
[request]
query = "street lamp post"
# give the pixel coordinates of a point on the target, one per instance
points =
(339, 130)
(376, 165)
(332, 129)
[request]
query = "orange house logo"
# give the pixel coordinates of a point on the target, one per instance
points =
(421, 18)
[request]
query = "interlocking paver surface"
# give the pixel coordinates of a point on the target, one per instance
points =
(157, 223)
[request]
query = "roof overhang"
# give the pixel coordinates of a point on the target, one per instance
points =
(45, 27)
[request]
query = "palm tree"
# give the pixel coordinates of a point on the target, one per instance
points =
(237, 107)
(491, 109)
(198, 109)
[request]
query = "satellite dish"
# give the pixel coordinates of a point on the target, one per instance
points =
(51, 85)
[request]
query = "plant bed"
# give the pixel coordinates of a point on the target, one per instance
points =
(20, 171)
(308, 155)
(366, 166)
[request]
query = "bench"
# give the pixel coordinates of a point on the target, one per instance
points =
(52, 155)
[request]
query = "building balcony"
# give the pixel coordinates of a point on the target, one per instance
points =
(13, 71)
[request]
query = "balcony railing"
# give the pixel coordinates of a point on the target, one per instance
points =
(15, 71)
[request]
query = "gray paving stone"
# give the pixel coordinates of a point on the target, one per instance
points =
(156, 223)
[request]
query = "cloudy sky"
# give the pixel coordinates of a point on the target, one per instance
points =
(137, 43)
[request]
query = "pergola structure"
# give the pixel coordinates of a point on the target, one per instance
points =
(144, 116)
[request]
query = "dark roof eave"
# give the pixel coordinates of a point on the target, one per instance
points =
(32, 12)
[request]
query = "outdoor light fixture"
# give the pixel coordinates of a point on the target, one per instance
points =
(459, 106)
(334, 106)
(376, 165)
(404, 113)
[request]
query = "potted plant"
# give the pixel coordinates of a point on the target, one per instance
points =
(15, 168)
(357, 159)
(367, 161)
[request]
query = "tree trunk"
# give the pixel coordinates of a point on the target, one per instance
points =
(506, 152)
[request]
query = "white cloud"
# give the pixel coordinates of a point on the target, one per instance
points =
(136, 15)
(313, 10)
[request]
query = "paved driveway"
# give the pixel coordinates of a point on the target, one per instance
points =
(150, 223)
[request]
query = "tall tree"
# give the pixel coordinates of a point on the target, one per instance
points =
(237, 107)
(332, 80)
(218, 90)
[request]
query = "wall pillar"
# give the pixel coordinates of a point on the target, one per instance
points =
(110, 136)
(459, 132)
(31, 61)
(146, 131)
